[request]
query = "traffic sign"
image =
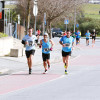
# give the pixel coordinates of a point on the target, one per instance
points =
(77, 25)
(66, 21)
(35, 10)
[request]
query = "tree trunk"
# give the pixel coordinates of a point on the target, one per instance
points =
(24, 22)
(49, 29)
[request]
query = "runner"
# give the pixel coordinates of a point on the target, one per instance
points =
(38, 34)
(77, 37)
(47, 46)
(64, 33)
(66, 43)
(93, 37)
(87, 37)
(29, 42)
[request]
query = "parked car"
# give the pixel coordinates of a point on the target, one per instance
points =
(56, 32)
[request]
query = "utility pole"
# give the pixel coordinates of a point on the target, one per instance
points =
(28, 16)
(75, 16)
(35, 12)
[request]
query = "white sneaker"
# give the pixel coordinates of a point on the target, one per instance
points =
(45, 72)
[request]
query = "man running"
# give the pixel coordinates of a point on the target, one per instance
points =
(38, 34)
(93, 37)
(77, 36)
(87, 37)
(29, 42)
(64, 33)
(66, 43)
(47, 46)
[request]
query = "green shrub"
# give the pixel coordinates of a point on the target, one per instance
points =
(89, 24)
(3, 35)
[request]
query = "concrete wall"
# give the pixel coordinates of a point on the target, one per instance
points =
(6, 44)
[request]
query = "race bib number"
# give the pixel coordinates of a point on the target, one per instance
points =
(67, 44)
(31, 43)
(46, 49)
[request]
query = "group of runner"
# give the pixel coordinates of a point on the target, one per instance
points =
(88, 34)
(47, 44)
(67, 42)
(29, 41)
(77, 35)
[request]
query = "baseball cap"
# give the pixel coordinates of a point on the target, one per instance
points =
(46, 34)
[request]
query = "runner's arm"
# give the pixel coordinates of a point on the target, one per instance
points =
(40, 44)
(61, 43)
(36, 39)
(52, 43)
(24, 41)
(95, 34)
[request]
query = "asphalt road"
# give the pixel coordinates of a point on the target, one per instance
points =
(81, 83)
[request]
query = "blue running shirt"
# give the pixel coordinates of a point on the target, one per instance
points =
(31, 42)
(87, 35)
(46, 47)
(77, 34)
(68, 42)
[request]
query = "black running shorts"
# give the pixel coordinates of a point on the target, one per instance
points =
(45, 57)
(28, 53)
(93, 37)
(64, 54)
(77, 39)
(87, 38)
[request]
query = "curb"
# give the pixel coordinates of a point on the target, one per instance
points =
(2, 71)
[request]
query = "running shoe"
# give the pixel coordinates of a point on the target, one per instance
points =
(49, 67)
(45, 72)
(30, 71)
(66, 72)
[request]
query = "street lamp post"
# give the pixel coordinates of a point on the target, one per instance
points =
(75, 17)
(35, 12)
(44, 23)
(5, 18)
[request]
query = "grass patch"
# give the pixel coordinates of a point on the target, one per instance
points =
(92, 10)
(98, 35)
(3, 35)
(10, 6)
(92, 16)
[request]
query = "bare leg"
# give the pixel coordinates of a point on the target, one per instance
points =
(31, 56)
(92, 42)
(86, 42)
(28, 62)
(48, 62)
(45, 65)
(64, 60)
(67, 62)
